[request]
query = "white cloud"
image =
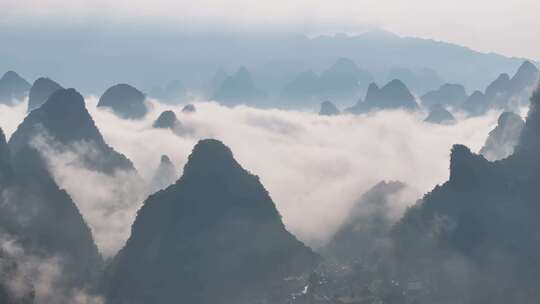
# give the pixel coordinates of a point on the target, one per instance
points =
(25, 274)
(314, 167)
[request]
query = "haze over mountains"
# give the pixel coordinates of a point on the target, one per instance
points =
(268, 57)
(356, 191)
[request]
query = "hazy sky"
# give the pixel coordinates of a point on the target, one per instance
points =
(510, 27)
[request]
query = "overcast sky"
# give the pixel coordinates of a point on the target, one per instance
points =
(509, 27)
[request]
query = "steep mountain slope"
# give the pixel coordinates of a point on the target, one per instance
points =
(64, 118)
(44, 219)
(214, 236)
(467, 237)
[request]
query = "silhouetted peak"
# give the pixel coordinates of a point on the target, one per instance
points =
(466, 168)
(526, 68)
(328, 109)
(10, 75)
(40, 91)
(525, 77)
(12, 88)
(210, 156)
(125, 100)
(448, 94)
(63, 115)
(396, 84)
(500, 85)
(372, 92)
(66, 120)
(460, 154)
(189, 108)
(166, 120)
(218, 219)
(476, 104)
(66, 101)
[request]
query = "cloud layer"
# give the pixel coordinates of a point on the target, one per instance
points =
(315, 168)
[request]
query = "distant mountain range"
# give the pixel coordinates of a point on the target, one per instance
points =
(274, 60)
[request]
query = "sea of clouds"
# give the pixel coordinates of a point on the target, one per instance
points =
(314, 167)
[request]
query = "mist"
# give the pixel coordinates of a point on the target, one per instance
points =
(419, 18)
(309, 163)
(41, 277)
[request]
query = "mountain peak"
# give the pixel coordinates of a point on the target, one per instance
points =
(65, 100)
(11, 75)
(13, 88)
(328, 108)
(125, 100)
(527, 66)
(215, 223)
(189, 108)
(65, 118)
(466, 168)
(526, 76)
(63, 115)
(40, 91)
(210, 156)
(166, 120)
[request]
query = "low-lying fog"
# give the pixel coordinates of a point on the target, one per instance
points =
(314, 167)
